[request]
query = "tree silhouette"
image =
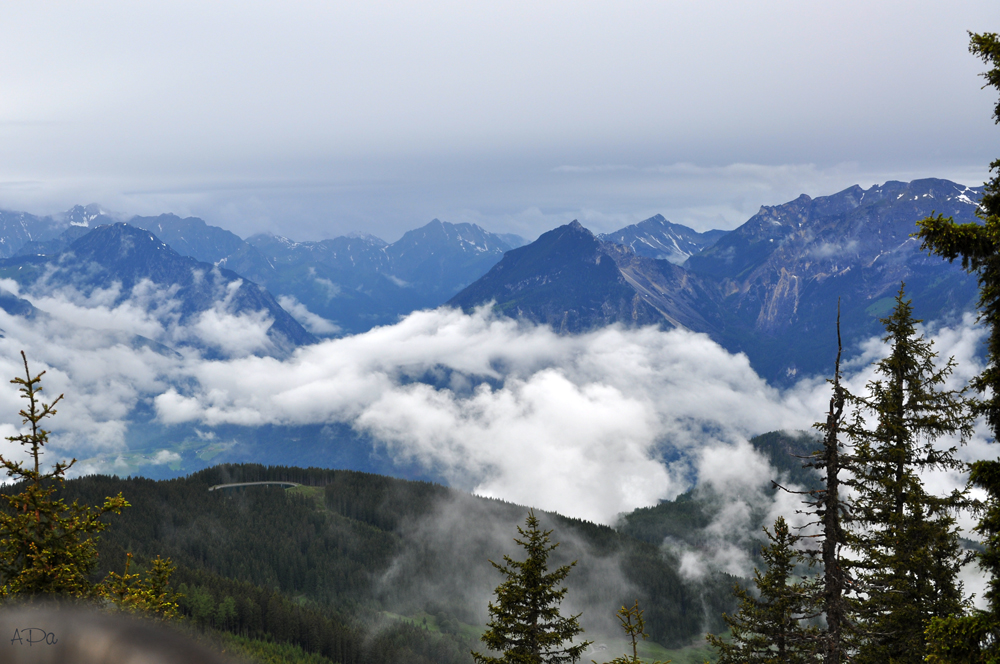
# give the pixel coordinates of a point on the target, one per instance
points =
(976, 637)
(634, 626)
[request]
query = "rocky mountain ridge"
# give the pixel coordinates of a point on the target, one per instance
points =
(118, 263)
(658, 238)
(361, 281)
(355, 282)
(768, 289)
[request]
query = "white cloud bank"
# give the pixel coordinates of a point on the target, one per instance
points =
(588, 425)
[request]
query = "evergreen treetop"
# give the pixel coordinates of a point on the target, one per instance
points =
(46, 546)
(634, 626)
(768, 628)
(525, 625)
(977, 245)
(976, 637)
(907, 550)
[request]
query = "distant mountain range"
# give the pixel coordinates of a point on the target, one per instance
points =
(768, 289)
(361, 281)
(658, 238)
(354, 283)
(115, 263)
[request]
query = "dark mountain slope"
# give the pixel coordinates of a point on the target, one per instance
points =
(571, 280)
(16, 306)
(565, 279)
(352, 541)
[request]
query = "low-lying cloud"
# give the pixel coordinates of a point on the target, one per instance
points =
(315, 323)
(589, 425)
(583, 425)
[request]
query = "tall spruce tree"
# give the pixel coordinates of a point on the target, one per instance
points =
(768, 628)
(905, 540)
(46, 546)
(525, 625)
(976, 637)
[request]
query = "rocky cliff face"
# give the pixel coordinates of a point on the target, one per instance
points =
(782, 272)
(19, 228)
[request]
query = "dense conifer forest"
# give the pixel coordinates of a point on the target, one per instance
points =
(357, 567)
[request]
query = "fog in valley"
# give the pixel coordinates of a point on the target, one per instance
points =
(589, 425)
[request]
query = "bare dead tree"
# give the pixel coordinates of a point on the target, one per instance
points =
(830, 512)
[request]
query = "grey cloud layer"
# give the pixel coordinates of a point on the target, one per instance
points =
(324, 118)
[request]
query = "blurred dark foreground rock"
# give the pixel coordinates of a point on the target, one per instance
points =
(68, 634)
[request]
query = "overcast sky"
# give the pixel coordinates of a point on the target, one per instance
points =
(315, 119)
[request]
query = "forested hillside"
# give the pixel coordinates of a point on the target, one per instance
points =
(366, 568)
